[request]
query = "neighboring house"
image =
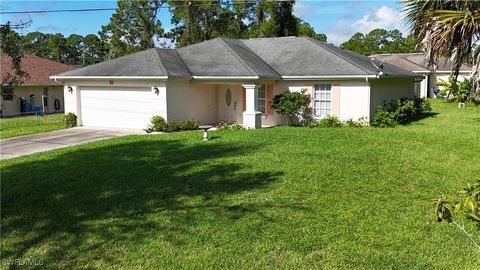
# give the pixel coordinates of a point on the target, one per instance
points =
(415, 62)
(38, 92)
(230, 80)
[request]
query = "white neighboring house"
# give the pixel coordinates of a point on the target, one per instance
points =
(415, 62)
(231, 80)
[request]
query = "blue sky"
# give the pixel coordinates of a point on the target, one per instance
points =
(337, 19)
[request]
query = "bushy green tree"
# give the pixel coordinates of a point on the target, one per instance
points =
(380, 41)
(133, 27)
(10, 45)
(290, 104)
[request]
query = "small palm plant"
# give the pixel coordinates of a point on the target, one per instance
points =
(462, 211)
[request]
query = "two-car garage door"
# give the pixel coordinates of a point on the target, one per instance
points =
(116, 107)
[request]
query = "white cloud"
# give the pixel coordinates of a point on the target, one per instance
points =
(302, 10)
(381, 17)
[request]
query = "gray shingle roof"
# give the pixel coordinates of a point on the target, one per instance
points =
(152, 62)
(224, 57)
(416, 62)
(262, 57)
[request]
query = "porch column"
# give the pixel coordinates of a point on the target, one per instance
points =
(252, 118)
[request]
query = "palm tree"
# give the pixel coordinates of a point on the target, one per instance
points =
(446, 28)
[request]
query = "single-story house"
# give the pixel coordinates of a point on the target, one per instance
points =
(415, 62)
(38, 93)
(231, 80)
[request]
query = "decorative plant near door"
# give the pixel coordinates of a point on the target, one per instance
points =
(290, 104)
(462, 211)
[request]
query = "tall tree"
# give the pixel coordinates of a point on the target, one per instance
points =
(57, 45)
(94, 50)
(283, 19)
(10, 44)
(446, 28)
(133, 27)
(36, 43)
(200, 20)
(305, 30)
(74, 49)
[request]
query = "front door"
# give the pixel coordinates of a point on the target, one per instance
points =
(229, 104)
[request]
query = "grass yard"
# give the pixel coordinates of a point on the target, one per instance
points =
(270, 198)
(25, 125)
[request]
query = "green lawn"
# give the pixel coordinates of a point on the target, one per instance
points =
(270, 198)
(25, 125)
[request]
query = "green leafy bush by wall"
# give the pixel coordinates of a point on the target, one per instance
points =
(400, 111)
(191, 124)
(70, 120)
(158, 124)
(290, 104)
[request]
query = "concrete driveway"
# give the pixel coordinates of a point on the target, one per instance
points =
(40, 142)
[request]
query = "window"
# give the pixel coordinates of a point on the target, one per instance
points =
(261, 99)
(45, 96)
(322, 100)
(7, 93)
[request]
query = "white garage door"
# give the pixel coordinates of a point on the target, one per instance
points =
(116, 107)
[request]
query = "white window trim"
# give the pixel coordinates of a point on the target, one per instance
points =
(319, 99)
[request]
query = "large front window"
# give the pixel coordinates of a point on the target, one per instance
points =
(322, 100)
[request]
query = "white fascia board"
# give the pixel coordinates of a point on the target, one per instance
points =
(331, 77)
(439, 71)
(226, 77)
(109, 77)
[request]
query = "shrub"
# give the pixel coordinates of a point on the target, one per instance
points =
(461, 210)
(290, 104)
(330, 121)
(360, 123)
(70, 120)
(171, 126)
(192, 124)
(465, 91)
(382, 118)
(230, 126)
(400, 111)
(158, 123)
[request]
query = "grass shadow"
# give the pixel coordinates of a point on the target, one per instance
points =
(108, 193)
(421, 117)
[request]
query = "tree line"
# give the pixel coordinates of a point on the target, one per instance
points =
(134, 27)
(381, 41)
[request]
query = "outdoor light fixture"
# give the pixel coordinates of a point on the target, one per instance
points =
(156, 90)
(70, 89)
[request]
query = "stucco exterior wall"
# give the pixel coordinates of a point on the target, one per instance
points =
(187, 100)
(12, 107)
(389, 89)
(354, 100)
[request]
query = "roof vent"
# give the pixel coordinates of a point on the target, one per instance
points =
(379, 67)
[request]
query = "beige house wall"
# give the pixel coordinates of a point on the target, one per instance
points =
(12, 107)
